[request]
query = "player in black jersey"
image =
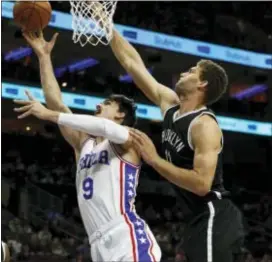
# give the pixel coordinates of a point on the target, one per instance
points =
(192, 142)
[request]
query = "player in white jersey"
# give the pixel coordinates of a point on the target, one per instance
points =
(107, 177)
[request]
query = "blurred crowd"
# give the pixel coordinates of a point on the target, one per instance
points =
(224, 23)
(58, 234)
(27, 241)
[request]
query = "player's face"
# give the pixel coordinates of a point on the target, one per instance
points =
(189, 81)
(109, 109)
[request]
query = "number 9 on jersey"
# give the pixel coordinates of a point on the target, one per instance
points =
(87, 187)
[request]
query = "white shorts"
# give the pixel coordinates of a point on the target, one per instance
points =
(128, 239)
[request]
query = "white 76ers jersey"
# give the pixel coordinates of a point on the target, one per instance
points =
(106, 184)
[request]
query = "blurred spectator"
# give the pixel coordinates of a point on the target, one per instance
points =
(44, 237)
(34, 243)
(15, 226)
(57, 248)
(26, 228)
(16, 246)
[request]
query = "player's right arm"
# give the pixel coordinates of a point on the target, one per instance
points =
(130, 59)
(51, 87)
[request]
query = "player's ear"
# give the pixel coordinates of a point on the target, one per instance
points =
(120, 116)
(203, 85)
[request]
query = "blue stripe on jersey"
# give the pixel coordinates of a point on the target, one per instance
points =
(131, 181)
(144, 244)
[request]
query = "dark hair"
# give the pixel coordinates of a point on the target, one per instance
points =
(127, 106)
(217, 80)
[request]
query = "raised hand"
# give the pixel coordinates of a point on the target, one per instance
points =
(31, 107)
(38, 43)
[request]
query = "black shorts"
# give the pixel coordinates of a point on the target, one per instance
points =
(215, 234)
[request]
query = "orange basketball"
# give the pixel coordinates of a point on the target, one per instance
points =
(32, 15)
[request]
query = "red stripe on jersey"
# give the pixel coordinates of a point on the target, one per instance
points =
(151, 247)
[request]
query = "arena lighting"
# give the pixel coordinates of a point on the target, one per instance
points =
(76, 66)
(128, 79)
(88, 103)
(167, 42)
(250, 92)
(17, 54)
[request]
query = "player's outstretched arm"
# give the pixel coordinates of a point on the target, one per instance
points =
(130, 59)
(206, 147)
(50, 85)
(96, 126)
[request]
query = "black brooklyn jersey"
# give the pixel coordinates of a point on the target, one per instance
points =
(177, 148)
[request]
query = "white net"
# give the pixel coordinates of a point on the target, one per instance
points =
(92, 21)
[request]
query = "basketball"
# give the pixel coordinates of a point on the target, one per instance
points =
(32, 15)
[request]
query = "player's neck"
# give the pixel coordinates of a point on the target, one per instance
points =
(189, 103)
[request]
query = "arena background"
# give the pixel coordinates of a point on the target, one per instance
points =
(40, 218)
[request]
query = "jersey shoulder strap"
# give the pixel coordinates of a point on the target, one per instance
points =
(170, 111)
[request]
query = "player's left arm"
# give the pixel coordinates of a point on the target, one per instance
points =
(96, 126)
(206, 140)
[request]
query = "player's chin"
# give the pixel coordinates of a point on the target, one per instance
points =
(180, 82)
(180, 85)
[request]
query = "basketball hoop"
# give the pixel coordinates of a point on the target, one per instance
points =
(92, 21)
